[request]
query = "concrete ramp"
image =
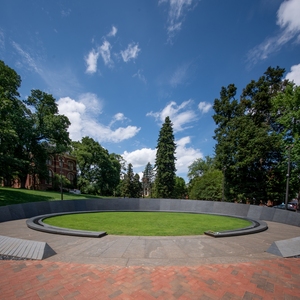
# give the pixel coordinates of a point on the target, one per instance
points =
(286, 248)
(24, 248)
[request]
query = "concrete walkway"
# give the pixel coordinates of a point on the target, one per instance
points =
(118, 267)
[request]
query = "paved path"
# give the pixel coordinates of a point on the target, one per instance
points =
(114, 267)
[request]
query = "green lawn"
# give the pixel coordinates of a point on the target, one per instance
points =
(17, 196)
(147, 223)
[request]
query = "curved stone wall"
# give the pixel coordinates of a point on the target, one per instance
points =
(28, 210)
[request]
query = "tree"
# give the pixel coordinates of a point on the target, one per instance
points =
(98, 171)
(206, 181)
(165, 162)
(29, 129)
(147, 180)
(180, 188)
(10, 81)
(249, 148)
(286, 112)
(200, 166)
(41, 133)
(207, 187)
(131, 186)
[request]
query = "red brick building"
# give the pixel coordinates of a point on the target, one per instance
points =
(58, 164)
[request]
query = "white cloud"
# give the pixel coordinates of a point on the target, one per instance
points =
(185, 155)
(294, 74)
(204, 107)
(119, 117)
(83, 114)
(131, 52)
(105, 53)
(113, 31)
(139, 158)
(176, 14)
(179, 115)
(27, 59)
(289, 22)
(91, 61)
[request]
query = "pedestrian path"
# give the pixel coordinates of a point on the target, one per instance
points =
(115, 267)
(263, 279)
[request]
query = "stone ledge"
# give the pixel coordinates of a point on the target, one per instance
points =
(36, 223)
(257, 226)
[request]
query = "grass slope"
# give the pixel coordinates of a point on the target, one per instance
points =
(17, 196)
(147, 223)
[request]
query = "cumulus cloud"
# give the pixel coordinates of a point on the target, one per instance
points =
(294, 74)
(180, 115)
(176, 14)
(83, 114)
(139, 158)
(289, 22)
(204, 107)
(131, 52)
(185, 156)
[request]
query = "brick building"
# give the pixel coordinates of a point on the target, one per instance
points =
(58, 164)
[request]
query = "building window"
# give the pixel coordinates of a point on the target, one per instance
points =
(49, 161)
(50, 177)
(70, 165)
(70, 177)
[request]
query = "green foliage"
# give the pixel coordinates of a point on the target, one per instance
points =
(29, 130)
(148, 179)
(249, 149)
(98, 171)
(131, 185)
(180, 191)
(207, 187)
(165, 162)
(201, 166)
(59, 181)
(286, 112)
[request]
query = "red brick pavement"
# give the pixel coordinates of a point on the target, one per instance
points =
(267, 279)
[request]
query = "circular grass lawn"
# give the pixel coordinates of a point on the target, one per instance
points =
(147, 223)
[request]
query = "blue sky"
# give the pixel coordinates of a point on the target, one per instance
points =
(118, 68)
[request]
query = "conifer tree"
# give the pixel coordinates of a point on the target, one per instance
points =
(147, 180)
(165, 162)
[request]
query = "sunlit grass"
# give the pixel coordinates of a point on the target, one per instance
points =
(147, 223)
(17, 196)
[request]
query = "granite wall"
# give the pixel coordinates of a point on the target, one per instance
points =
(28, 210)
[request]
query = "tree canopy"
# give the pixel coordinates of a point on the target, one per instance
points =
(251, 145)
(30, 129)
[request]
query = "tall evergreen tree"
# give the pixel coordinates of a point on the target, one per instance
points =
(165, 161)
